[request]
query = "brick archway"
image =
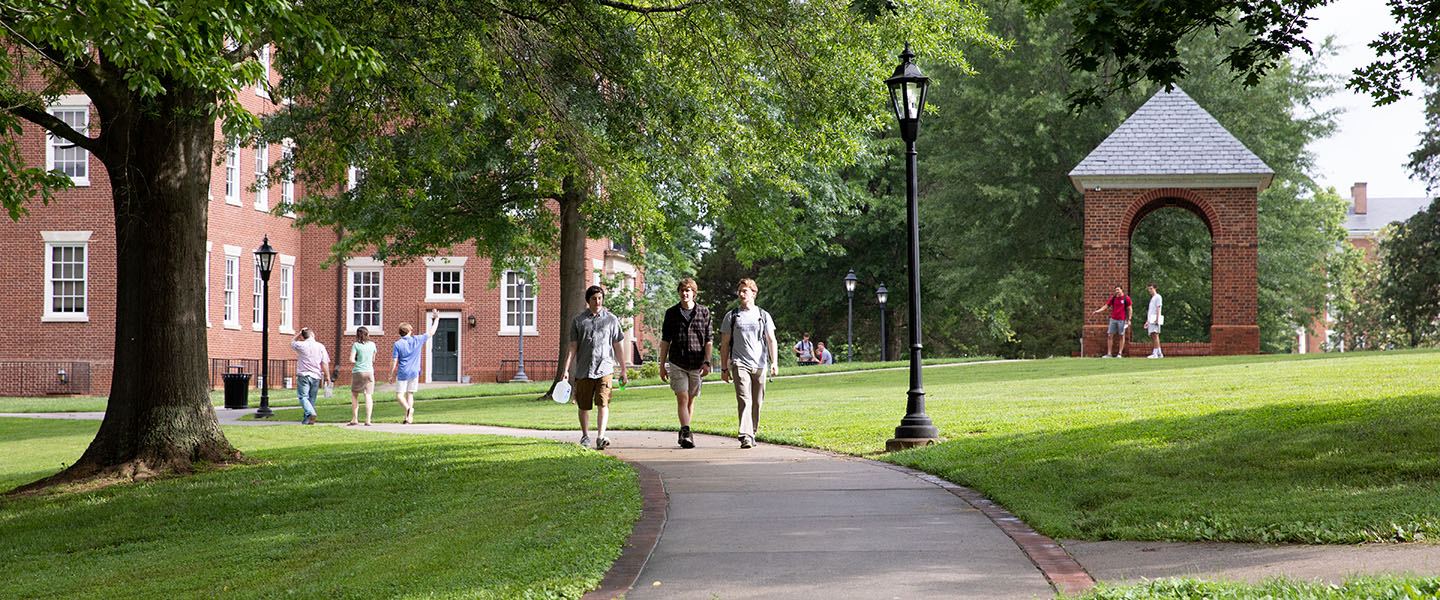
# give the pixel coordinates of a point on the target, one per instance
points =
(1170, 152)
(1230, 214)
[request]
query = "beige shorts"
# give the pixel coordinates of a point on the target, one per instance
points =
(407, 385)
(590, 392)
(362, 382)
(684, 381)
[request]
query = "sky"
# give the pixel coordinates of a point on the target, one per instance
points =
(1371, 144)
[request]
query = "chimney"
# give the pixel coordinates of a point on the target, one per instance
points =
(1357, 195)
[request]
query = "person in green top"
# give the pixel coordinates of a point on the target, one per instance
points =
(362, 377)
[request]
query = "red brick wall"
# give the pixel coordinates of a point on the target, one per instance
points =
(1232, 216)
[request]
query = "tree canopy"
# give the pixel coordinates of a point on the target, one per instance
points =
(1134, 41)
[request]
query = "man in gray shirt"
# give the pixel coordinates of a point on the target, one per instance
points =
(595, 339)
(747, 354)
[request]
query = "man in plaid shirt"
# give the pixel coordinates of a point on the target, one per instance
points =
(685, 346)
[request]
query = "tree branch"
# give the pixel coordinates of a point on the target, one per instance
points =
(645, 10)
(59, 128)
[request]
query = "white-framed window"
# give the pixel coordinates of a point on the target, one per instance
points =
(365, 295)
(262, 174)
(232, 174)
(67, 267)
(263, 56)
(232, 287)
(207, 283)
(287, 294)
(287, 184)
(62, 154)
(517, 305)
(353, 176)
(445, 279)
(257, 299)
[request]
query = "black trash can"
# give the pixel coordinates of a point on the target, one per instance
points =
(237, 390)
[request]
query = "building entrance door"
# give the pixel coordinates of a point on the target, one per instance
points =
(445, 351)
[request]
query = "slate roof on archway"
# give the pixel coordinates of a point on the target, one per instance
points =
(1172, 135)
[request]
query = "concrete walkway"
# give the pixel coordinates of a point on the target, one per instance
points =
(780, 522)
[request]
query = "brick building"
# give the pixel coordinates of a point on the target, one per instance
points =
(60, 294)
(1366, 217)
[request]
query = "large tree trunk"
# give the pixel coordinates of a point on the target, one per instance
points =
(572, 266)
(159, 418)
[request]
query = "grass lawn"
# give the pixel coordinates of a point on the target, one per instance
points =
(1366, 588)
(1282, 448)
(327, 512)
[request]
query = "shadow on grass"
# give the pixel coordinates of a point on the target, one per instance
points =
(1331, 473)
(453, 516)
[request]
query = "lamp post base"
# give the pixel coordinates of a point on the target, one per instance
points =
(264, 413)
(520, 378)
(898, 444)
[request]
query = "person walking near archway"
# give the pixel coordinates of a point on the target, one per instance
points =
(1121, 311)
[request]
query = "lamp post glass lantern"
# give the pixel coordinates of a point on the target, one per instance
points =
(907, 99)
(882, 295)
(520, 376)
(265, 256)
(850, 316)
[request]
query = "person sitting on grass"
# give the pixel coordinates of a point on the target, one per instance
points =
(823, 354)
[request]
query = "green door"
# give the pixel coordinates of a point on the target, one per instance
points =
(445, 351)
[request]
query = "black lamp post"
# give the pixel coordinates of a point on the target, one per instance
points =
(907, 99)
(266, 257)
(882, 294)
(850, 316)
(520, 370)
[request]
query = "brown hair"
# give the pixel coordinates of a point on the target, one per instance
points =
(405, 329)
(362, 335)
(747, 282)
(686, 284)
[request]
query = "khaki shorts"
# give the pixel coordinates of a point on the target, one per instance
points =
(684, 381)
(362, 382)
(407, 385)
(590, 392)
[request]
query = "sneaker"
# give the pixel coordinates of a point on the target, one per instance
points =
(602, 442)
(584, 441)
(687, 440)
(747, 441)
(1153, 355)
(1107, 356)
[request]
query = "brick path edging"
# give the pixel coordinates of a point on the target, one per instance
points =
(654, 506)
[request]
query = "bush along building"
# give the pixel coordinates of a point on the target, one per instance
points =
(60, 281)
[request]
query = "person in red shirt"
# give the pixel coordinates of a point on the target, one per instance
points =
(1121, 310)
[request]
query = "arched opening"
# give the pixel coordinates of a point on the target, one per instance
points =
(1171, 246)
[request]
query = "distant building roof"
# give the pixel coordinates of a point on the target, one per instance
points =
(1382, 212)
(1171, 136)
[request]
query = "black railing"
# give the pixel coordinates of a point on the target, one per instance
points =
(535, 370)
(44, 378)
(280, 371)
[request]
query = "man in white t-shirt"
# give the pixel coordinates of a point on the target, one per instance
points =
(1153, 319)
(748, 355)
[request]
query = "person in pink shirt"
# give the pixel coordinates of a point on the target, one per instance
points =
(312, 367)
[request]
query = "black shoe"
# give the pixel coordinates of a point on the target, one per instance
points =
(687, 440)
